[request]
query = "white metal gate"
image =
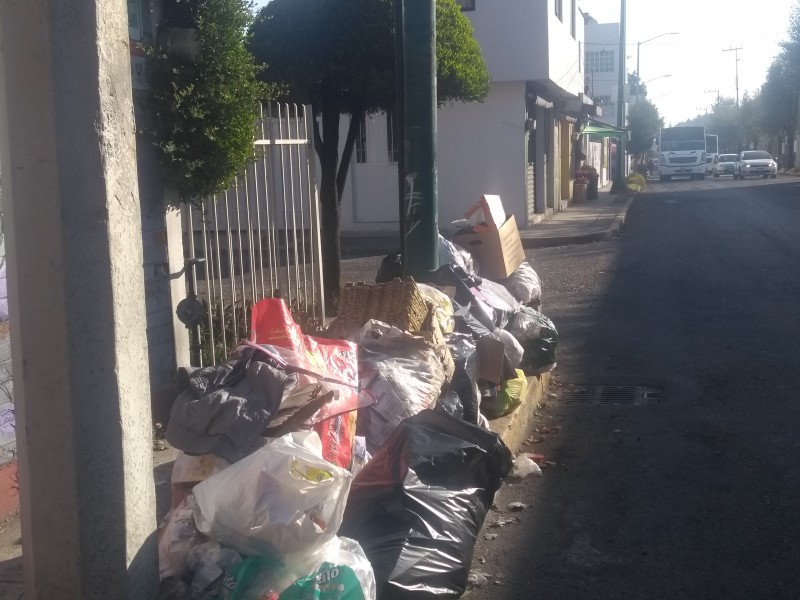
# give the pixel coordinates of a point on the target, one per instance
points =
(258, 239)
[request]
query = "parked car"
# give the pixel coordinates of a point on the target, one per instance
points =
(725, 164)
(755, 162)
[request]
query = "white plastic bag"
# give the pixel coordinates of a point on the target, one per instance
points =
(525, 285)
(284, 498)
(514, 350)
(442, 307)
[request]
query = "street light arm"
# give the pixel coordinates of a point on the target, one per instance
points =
(658, 36)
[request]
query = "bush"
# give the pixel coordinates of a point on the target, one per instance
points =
(636, 181)
(203, 108)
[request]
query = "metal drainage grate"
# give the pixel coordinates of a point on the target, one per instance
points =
(615, 395)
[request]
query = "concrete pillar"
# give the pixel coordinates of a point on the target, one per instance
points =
(76, 298)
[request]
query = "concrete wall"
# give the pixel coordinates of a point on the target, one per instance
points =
(524, 40)
(481, 149)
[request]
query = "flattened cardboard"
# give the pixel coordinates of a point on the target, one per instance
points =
(489, 209)
(498, 253)
(490, 358)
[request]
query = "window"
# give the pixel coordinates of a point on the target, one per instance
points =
(361, 143)
(560, 10)
(466, 4)
(572, 18)
(600, 62)
(393, 152)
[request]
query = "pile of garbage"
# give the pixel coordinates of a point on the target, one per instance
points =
(359, 465)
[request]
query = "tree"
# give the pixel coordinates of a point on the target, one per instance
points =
(644, 122)
(202, 105)
(338, 56)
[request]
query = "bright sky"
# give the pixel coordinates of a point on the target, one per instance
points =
(694, 58)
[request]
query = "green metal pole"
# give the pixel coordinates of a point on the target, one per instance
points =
(398, 124)
(419, 132)
(619, 177)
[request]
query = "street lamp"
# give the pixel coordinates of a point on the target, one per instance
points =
(643, 83)
(638, 46)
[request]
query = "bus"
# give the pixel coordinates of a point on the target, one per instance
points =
(682, 152)
(712, 151)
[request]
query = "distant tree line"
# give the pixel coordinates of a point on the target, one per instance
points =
(767, 119)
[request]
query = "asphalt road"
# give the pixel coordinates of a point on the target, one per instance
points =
(697, 496)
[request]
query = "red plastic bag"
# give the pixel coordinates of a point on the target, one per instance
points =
(336, 361)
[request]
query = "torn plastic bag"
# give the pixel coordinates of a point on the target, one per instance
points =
(176, 536)
(450, 253)
(539, 339)
(417, 507)
(206, 567)
(503, 304)
(514, 350)
(508, 397)
(282, 499)
(525, 285)
(464, 382)
(338, 570)
(402, 371)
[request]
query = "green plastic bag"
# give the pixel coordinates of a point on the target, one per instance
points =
(510, 396)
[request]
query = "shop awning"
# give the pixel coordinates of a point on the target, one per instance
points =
(595, 127)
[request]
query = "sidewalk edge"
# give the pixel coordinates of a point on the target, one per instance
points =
(583, 238)
(514, 427)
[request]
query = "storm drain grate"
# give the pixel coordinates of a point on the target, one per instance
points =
(616, 395)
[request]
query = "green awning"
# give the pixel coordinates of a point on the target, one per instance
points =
(594, 127)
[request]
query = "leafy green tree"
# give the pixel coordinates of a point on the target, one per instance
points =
(644, 122)
(203, 104)
(779, 97)
(338, 56)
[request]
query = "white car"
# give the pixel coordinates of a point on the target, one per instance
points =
(724, 164)
(755, 162)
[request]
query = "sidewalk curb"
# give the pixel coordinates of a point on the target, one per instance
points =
(514, 427)
(583, 238)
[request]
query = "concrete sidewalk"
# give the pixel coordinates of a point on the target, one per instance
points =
(580, 223)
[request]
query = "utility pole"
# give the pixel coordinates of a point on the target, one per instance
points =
(736, 51)
(711, 92)
(619, 176)
(419, 132)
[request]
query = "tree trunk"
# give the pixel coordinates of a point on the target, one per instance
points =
(329, 234)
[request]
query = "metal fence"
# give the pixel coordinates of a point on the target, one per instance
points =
(258, 239)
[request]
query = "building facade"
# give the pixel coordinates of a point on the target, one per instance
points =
(519, 143)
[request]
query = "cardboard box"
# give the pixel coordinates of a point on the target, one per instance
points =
(498, 253)
(489, 210)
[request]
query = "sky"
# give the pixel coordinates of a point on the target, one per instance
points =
(694, 58)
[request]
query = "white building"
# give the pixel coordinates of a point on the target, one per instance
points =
(517, 144)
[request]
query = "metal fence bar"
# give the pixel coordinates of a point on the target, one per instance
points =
(241, 255)
(302, 211)
(285, 210)
(231, 269)
(221, 305)
(276, 203)
(210, 289)
(259, 225)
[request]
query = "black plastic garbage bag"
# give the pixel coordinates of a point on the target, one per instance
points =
(417, 507)
(539, 340)
(391, 267)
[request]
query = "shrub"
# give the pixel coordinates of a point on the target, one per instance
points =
(636, 181)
